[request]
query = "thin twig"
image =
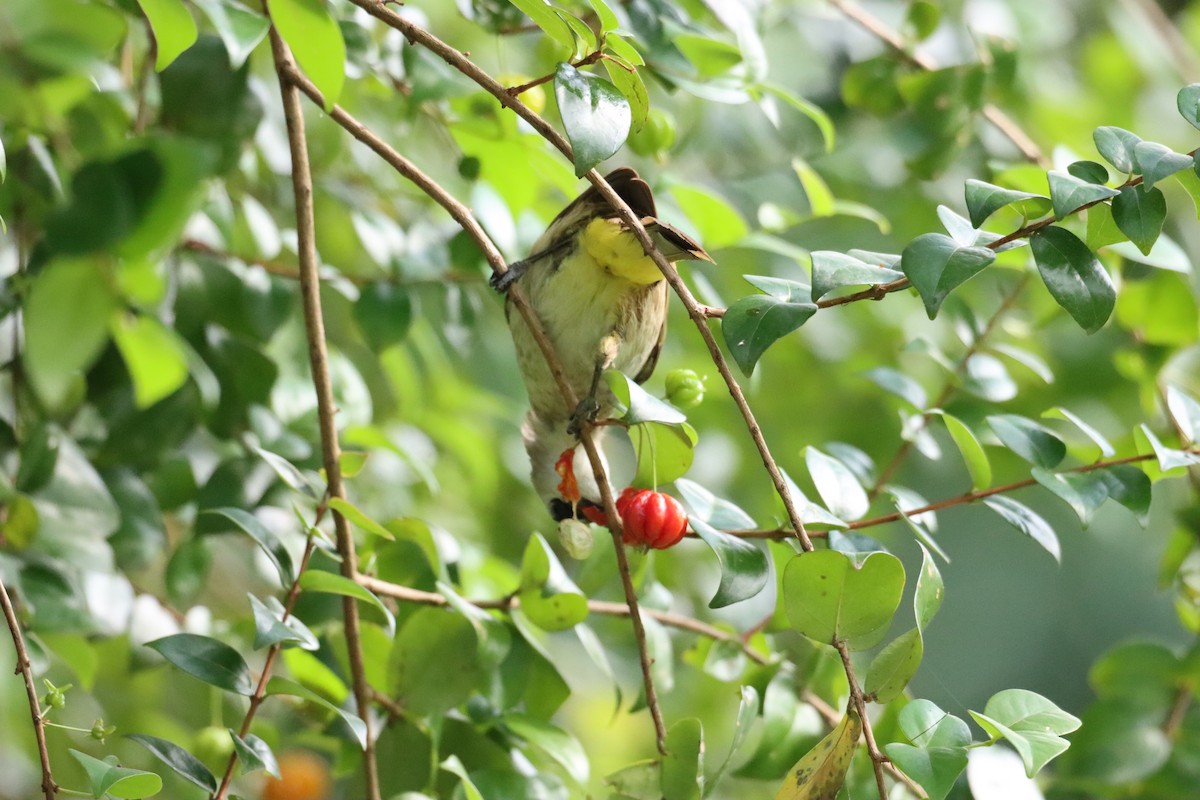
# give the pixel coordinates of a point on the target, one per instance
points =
(260, 690)
(878, 759)
(889, 37)
(590, 58)
(1179, 706)
(49, 787)
(466, 220)
(314, 326)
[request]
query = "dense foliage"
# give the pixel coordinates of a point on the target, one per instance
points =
(954, 284)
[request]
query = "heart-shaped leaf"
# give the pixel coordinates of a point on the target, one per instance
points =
(936, 265)
(985, 199)
(754, 323)
(828, 597)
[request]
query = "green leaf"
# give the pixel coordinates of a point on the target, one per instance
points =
(748, 704)
(181, 761)
(560, 745)
(716, 511)
(899, 384)
(173, 26)
(894, 666)
(985, 199)
(595, 114)
(922, 18)
(211, 661)
(431, 672)
(254, 753)
(936, 265)
(640, 405)
(313, 673)
(828, 597)
(1156, 161)
(745, 568)
(278, 686)
(1102, 229)
(270, 627)
(1027, 522)
(832, 270)
(1185, 412)
(1084, 492)
(815, 114)
(548, 20)
(1031, 441)
(1139, 211)
(265, 538)
(239, 28)
(454, 766)
(972, 451)
(109, 780)
(1089, 171)
(1069, 194)
(664, 452)
(683, 766)
(1074, 276)
(837, 485)
(66, 326)
(548, 597)
(629, 82)
(314, 580)
(359, 519)
(1058, 412)
(315, 39)
(938, 753)
(1188, 103)
(754, 323)
(153, 355)
(1130, 487)
(1117, 145)
(1032, 725)
(930, 591)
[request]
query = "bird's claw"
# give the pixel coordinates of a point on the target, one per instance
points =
(587, 411)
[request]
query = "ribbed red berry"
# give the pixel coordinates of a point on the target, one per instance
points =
(651, 519)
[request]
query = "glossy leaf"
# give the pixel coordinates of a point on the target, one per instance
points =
(837, 485)
(929, 593)
(1084, 492)
(1117, 146)
(629, 82)
(1075, 278)
(747, 712)
(1069, 194)
(664, 452)
(1033, 725)
(254, 753)
(972, 452)
(1139, 211)
(828, 597)
(107, 779)
(173, 26)
(554, 742)
(595, 114)
(754, 323)
(1027, 522)
(206, 658)
(316, 41)
(985, 199)
(359, 519)
(240, 28)
(270, 627)
(550, 22)
(1130, 487)
(153, 355)
(1185, 412)
(745, 567)
(937, 754)
(1031, 441)
(1089, 171)
(181, 761)
(894, 666)
(1106, 448)
(548, 597)
(936, 265)
(1156, 161)
(835, 270)
(899, 384)
(283, 686)
(640, 405)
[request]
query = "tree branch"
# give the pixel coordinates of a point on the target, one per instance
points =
(314, 326)
(49, 787)
(878, 759)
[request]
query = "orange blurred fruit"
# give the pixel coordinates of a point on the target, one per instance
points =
(302, 776)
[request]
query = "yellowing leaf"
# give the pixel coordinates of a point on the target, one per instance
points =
(820, 774)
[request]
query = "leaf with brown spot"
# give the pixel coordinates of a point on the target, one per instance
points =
(822, 770)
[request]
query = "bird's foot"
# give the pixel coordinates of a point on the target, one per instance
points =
(585, 413)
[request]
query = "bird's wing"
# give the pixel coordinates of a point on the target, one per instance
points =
(647, 369)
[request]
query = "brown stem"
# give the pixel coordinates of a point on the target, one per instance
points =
(889, 37)
(589, 59)
(878, 759)
(49, 787)
(1174, 720)
(314, 325)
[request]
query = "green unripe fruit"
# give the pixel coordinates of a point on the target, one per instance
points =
(685, 389)
(657, 136)
(212, 744)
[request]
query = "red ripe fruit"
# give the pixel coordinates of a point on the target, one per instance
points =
(651, 519)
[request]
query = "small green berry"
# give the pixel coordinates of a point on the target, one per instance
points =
(685, 389)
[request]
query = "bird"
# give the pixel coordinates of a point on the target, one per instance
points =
(602, 302)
